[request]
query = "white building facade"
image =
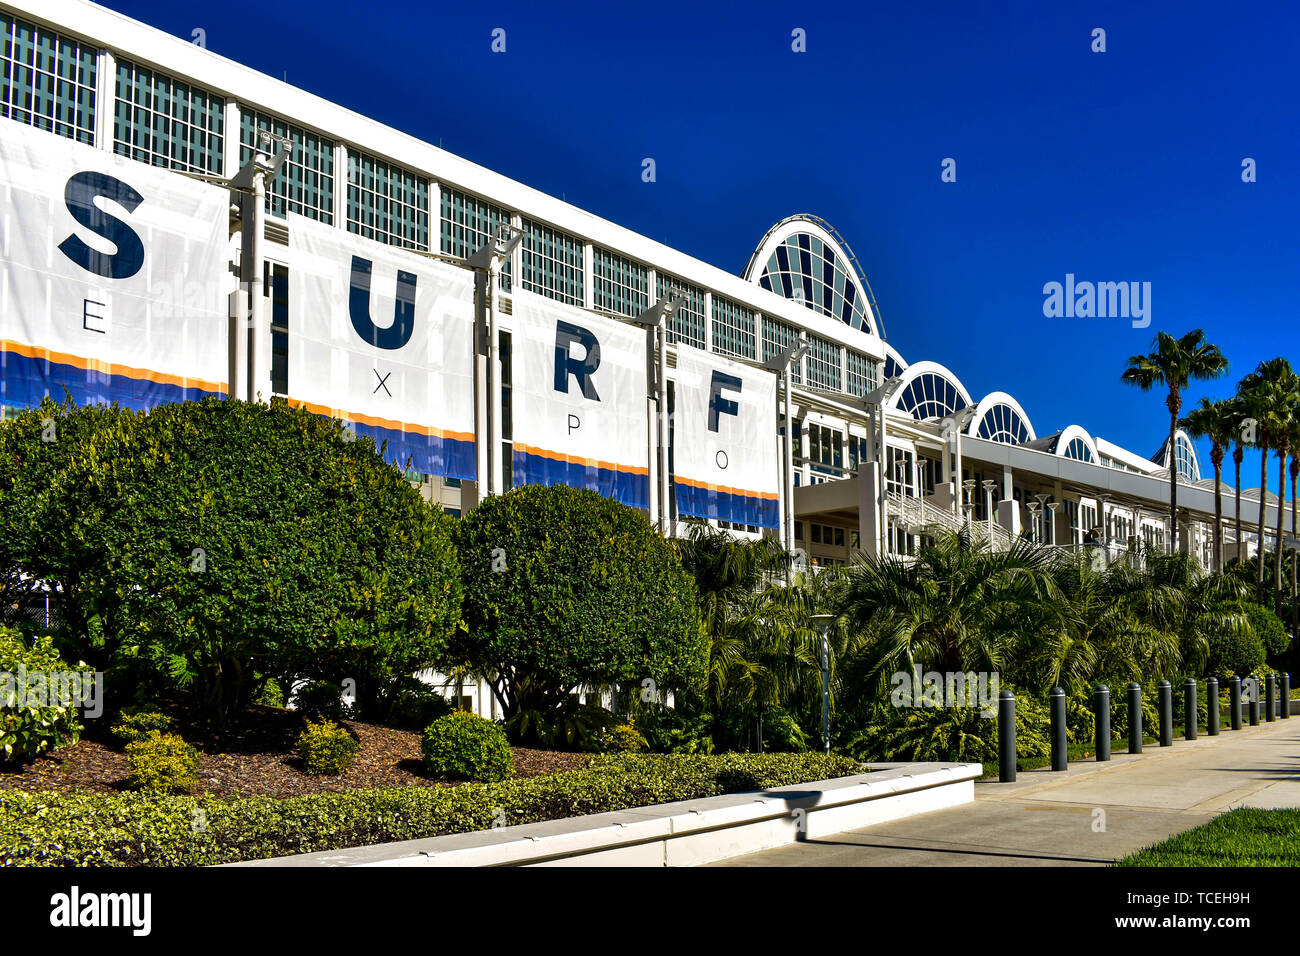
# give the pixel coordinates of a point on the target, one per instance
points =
(768, 403)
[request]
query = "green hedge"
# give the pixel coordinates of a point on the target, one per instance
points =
(81, 828)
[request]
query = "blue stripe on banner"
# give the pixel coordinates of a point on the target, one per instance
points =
(427, 454)
(626, 487)
(25, 381)
(724, 506)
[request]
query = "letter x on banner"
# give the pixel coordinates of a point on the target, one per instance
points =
(383, 339)
(113, 277)
(579, 409)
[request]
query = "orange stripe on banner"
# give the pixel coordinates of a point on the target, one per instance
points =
(575, 460)
(391, 424)
(765, 495)
(108, 368)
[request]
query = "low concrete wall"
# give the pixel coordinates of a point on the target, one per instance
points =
(687, 833)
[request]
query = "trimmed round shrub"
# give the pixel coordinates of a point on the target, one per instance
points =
(565, 587)
(162, 763)
(463, 746)
(326, 748)
(622, 738)
(32, 723)
(139, 725)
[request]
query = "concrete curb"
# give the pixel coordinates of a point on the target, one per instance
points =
(686, 833)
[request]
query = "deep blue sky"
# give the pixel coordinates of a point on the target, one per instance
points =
(1117, 166)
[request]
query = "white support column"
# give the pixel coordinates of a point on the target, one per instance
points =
(105, 98)
(588, 276)
(708, 321)
(348, 177)
(230, 141)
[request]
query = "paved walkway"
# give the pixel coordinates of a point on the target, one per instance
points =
(1089, 816)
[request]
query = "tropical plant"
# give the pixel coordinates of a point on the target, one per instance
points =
(952, 609)
(1174, 363)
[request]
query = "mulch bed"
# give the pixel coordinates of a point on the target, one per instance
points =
(257, 759)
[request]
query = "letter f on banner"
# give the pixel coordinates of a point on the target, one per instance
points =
(719, 405)
(566, 336)
(397, 334)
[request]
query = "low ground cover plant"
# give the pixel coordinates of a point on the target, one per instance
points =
(50, 828)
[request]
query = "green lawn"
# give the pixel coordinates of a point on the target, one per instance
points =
(1241, 837)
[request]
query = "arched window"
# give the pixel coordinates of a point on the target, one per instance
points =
(1003, 423)
(1078, 449)
(804, 259)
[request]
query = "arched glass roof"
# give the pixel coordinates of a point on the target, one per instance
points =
(1078, 449)
(929, 390)
(1189, 466)
(999, 417)
(803, 258)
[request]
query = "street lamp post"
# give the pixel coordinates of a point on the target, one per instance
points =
(968, 500)
(655, 321)
(487, 260)
(989, 484)
(1041, 498)
(823, 624)
(250, 183)
(1033, 507)
(1053, 507)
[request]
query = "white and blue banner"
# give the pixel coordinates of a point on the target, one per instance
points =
(114, 277)
(383, 338)
(579, 400)
(725, 464)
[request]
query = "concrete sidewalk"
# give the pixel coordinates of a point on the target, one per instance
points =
(1090, 815)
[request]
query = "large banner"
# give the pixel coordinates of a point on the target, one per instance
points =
(579, 400)
(383, 339)
(725, 463)
(114, 276)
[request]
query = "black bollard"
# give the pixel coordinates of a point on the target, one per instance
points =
(1135, 718)
(1234, 701)
(1190, 717)
(1166, 705)
(1270, 698)
(1252, 698)
(1212, 706)
(1007, 737)
(1284, 703)
(1101, 707)
(1060, 752)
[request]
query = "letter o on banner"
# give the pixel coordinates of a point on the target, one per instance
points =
(721, 459)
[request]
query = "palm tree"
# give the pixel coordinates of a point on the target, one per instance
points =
(1237, 405)
(1287, 410)
(1266, 392)
(1175, 363)
(1216, 421)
